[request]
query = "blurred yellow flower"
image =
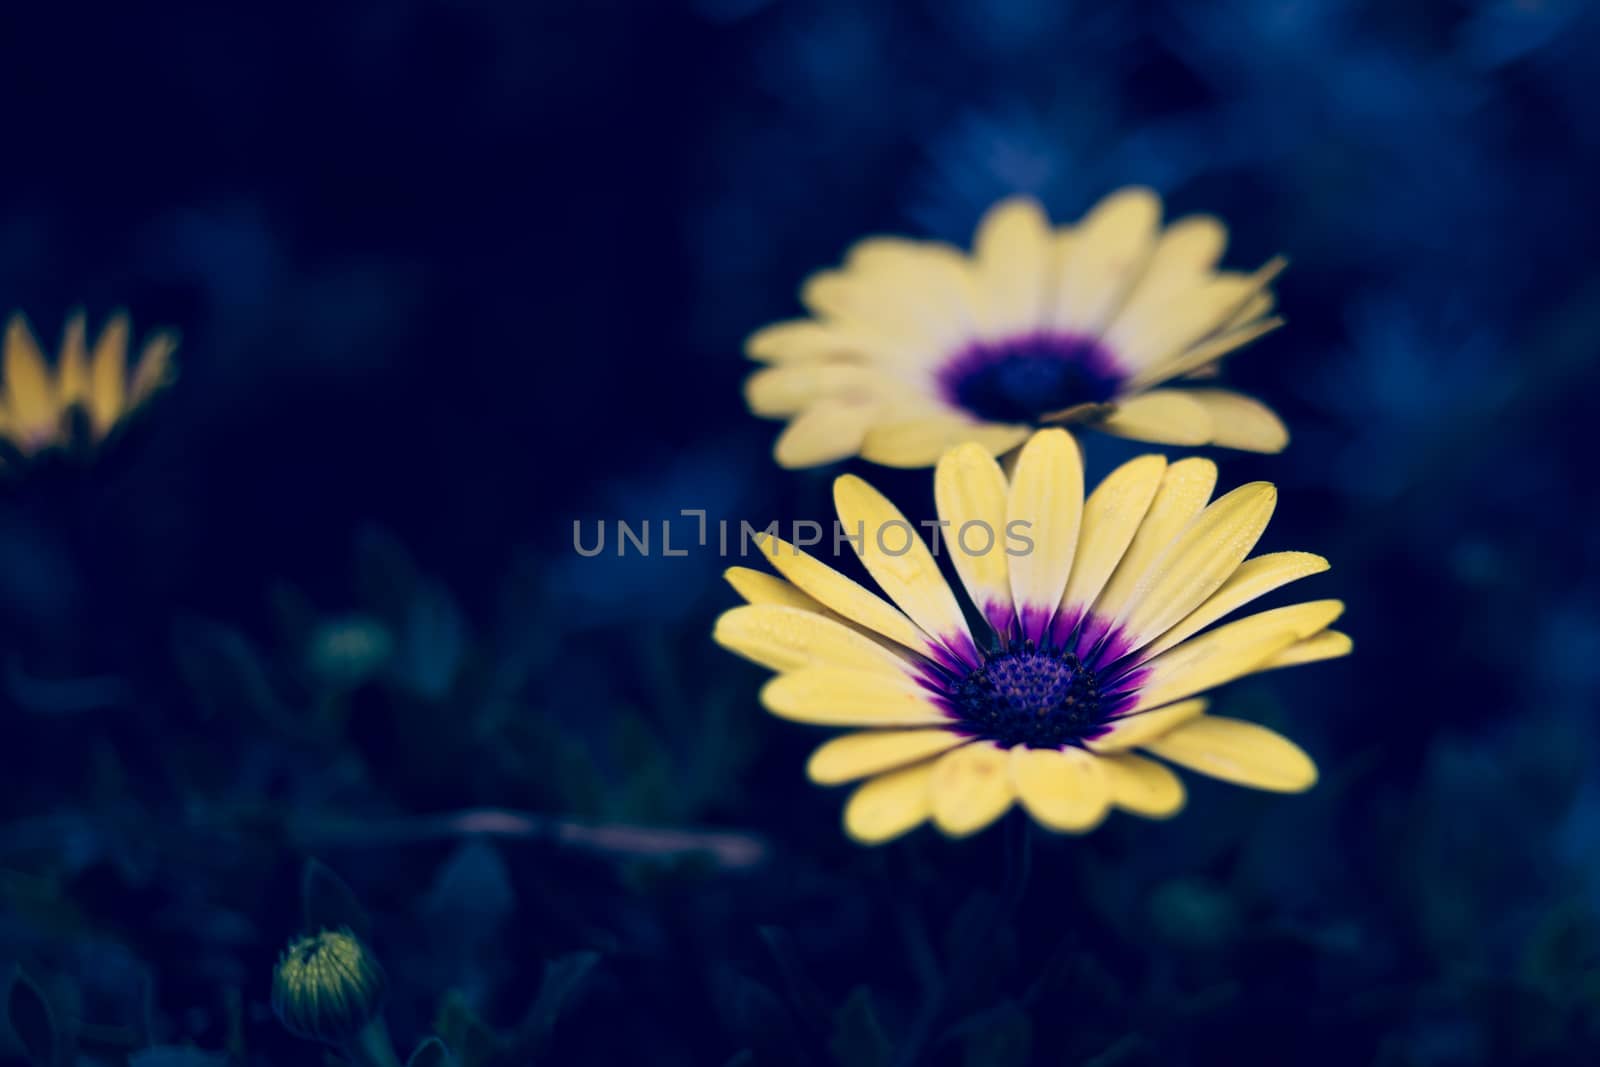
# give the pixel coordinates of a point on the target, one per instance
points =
(1096, 640)
(913, 346)
(88, 392)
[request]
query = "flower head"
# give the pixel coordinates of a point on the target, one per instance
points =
(88, 393)
(1095, 641)
(913, 347)
(327, 987)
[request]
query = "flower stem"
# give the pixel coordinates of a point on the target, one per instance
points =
(1019, 861)
(1018, 866)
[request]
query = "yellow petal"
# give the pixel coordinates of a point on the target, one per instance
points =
(1131, 731)
(971, 788)
(759, 587)
(1205, 352)
(1198, 561)
(1329, 644)
(827, 431)
(787, 638)
(1065, 790)
(1231, 651)
(1242, 422)
(1161, 334)
(776, 392)
(108, 375)
(842, 295)
(1185, 487)
(1254, 308)
(1111, 516)
(928, 284)
(154, 369)
(795, 340)
(888, 806)
(1184, 256)
(840, 594)
(899, 561)
(72, 367)
(30, 395)
(1045, 504)
(1165, 417)
(1013, 254)
(1239, 752)
(855, 756)
(883, 318)
(969, 490)
(1108, 250)
(872, 254)
(1254, 578)
(831, 696)
(1143, 786)
(920, 440)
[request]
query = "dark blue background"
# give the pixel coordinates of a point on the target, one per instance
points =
(453, 275)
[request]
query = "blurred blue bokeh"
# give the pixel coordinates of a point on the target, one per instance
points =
(453, 276)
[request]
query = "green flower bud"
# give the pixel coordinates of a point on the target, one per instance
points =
(328, 987)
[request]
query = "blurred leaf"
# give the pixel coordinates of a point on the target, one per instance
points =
(327, 903)
(1194, 913)
(176, 1056)
(804, 995)
(1562, 950)
(651, 784)
(979, 947)
(227, 675)
(60, 696)
(433, 640)
(563, 982)
(385, 574)
(858, 1040)
(471, 896)
(743, 1058)
(751, 1011)
(293, 613)
(41, 900)
(1000, 1037)
(727, 747)
(972, 922)
(650, 875)
(30, 1019)
(1529, 1025)
(431, 1052)
(475, 1042)
(558, 764)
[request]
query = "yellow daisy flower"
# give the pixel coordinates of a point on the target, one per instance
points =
(1094, 643)
(913, 347)
(86, 395)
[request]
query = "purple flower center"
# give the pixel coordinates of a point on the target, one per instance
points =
(1018, 379)
(1062, 691)
(1035, 697)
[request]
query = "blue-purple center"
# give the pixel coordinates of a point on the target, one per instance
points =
(1038, 697)
(1020, 378)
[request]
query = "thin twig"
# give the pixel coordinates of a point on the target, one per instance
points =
(730, 850)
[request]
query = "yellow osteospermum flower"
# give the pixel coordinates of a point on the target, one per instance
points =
(1094, 643)
(913, 347)
(37, 405)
